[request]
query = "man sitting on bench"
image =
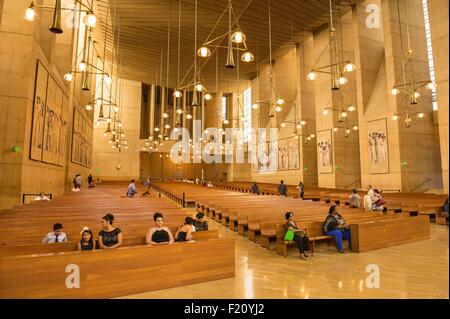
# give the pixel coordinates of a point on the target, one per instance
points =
(336, 226)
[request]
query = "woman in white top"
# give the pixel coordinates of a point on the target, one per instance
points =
(41, 197)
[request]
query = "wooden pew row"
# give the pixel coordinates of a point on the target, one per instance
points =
(118, 272)
(31, 249)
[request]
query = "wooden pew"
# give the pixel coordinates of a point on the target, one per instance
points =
(118, 272)
(34, 249)
(371, 235)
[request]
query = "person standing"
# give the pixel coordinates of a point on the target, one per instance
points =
(301, 190)
(282, 189)
(90, 180)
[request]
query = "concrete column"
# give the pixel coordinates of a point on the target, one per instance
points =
(438, 14)
(152, 109)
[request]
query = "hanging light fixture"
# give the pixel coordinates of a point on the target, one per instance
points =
(56, 24)
(337, 67)
(30, 13)
(409, 86)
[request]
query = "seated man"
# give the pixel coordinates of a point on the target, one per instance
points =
(131, 191)
(354, 199)
(336, 226)
(41, 197)
(210, 184)
(56, 236)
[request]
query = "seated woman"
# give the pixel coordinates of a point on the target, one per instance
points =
(87, 240)
(300, 237)
(184, 233)
(159, 234)
(109, 237)
(199, 223)
(377, 201)
(336, 226)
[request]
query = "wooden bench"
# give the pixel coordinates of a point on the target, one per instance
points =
(117, 272)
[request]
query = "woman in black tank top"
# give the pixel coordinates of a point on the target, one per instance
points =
(184, 233)
(159, 234)
(109, 237)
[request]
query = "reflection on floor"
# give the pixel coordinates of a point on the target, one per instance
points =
(416, 270)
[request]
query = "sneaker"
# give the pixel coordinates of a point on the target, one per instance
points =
(302, 257)
(342, 251)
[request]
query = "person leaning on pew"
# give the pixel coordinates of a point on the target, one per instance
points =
(300, 236)
(184, 233)
(255, 189)
(159, 234)
(336, 226)
(199, 223)
(56, 236)
(41, 197)
(109, 237)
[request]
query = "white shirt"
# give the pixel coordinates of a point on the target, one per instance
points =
(39, 198)
(51, 238)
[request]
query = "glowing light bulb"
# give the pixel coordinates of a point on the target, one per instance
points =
(156, 129)
(208, 97)
(303, 122)
(349, 67)
(199, 87)
(108, 79)
(344, 114)
(283, 124)
(351, 108)
(421, 115)
(313, 135)
(225, 121)
(238, 37)
(254, 106)
(342, 80)
(30, 13)
(348, 131)
(179, 111)
(431, 85)
(165, 115)
(325, 112)
(280, 101)
(189, 116)
(68, 76)
(416, 95)
(204, 52)
(312, 76)
(335, 129)
(119, 124)
(177, 93)
(88, 107)
(247, 57)
(90, 20)
(395, 91)
(395, 117)
(278, 108)
(355, 128)
(82, 66)
(167, 126)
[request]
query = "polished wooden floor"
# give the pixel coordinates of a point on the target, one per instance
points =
(416, 270)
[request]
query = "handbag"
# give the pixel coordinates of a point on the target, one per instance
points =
(289, 235)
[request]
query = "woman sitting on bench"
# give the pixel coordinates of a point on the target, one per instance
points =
(109, 237)
(159, 234)
(300, 237)
(184, 233)
(336, 226)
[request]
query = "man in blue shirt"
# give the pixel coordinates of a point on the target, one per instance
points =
(282, 189)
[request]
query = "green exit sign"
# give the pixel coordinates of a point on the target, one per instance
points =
(16, 149)
(404, 163)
